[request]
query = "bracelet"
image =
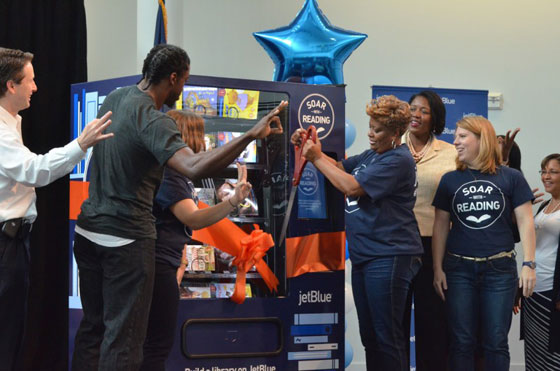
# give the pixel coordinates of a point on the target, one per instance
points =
(231, 203)
(184, 262)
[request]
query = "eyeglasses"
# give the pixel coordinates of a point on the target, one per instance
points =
(551, 172)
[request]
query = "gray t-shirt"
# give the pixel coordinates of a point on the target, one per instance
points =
(127, 169)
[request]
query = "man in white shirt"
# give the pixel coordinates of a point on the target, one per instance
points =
(20, 171)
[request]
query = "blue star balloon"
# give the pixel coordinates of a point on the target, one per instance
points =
(309, 49)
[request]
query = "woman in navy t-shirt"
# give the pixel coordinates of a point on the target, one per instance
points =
(474, 262)
(383, 238)
(177, 214)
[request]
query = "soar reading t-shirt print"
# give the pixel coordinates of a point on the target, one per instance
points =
(481, 209)
(478, 204)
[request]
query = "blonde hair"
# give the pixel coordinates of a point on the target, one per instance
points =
(390, 112)
(191, 127)
(489, 155)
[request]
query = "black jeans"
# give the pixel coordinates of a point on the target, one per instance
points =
(163, 318)
(430, 317)
(14, 287)
(116, 290)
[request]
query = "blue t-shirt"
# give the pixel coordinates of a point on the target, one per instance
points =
(382, 223)
(481, 207)
(172, 235)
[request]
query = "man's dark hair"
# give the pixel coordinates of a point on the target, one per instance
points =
(437, 109)
(12, 62)
(162, 61)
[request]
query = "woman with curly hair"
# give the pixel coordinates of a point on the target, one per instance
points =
(383, 238)
(475, 270)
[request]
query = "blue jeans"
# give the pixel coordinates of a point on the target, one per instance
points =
(479, 295)
(380, 287)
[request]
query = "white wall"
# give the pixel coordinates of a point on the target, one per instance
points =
(504, 46)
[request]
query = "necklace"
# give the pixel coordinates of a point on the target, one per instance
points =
(555, 207)
(420, 154)
(470, 172)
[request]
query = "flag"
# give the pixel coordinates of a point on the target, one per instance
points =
(161, 24)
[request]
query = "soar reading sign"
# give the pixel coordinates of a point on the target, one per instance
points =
(316, 109)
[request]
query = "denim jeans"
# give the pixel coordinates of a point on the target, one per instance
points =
(380, 287)
(479, 295)
(116, 291)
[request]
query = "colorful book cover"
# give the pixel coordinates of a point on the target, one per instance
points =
(201, 100)
(248, 155)
(243, 104)
(195, 292)
(225, 290)
(201, 258)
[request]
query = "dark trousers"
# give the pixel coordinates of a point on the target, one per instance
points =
(14, 287)
(430, 318)
(479, 299)
(116, 289)
(381, 287)
(163, 318)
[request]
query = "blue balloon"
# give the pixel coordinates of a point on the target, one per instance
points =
(309, 46)
(348, 353)
(350, 134)
(317, 80)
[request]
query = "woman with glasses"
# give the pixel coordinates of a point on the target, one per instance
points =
(475, 271)
(382, 233)
(540, 315)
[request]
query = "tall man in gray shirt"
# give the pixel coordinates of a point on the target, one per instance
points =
(115, 233)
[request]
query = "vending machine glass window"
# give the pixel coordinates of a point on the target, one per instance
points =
(228, 113)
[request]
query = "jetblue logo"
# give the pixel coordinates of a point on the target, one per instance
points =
(314, 296)
(317, 110)
(478, 204)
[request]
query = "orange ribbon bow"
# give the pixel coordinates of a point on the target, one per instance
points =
(248, 250)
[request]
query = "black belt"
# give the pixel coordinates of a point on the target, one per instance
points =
(15, 228)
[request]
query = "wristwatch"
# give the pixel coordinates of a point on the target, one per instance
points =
(531, 264)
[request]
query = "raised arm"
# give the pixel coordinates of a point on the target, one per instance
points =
(334, 171)
(189, 214)
(204, 164)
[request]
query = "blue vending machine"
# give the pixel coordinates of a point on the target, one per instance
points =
(300, 326)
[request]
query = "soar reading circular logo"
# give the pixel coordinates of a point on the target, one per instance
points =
(309, 182)
(316, 109)
(478, 204)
